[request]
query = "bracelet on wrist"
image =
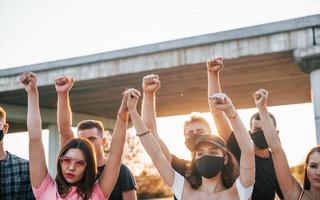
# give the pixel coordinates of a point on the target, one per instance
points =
(142, 134)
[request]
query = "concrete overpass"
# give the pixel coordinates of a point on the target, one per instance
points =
(282, 57)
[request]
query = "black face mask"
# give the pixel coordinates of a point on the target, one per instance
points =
(1, 135)
(209, 166)
(190, 141)
(259, 140)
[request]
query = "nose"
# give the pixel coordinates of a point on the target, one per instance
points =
(318, 171)
(72, 167)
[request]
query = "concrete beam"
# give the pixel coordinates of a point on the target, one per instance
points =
(236, 34)
(270, 38)
(18, 114)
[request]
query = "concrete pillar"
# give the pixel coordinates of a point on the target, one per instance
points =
(309, 61)
(54, 148)
(315, 86)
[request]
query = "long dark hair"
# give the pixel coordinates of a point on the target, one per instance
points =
(229, 173)
(85, 185)
(306, 182)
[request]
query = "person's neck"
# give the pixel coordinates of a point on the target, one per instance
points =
(2, 151)
(212, 185)
(315, 193)
(263, 153)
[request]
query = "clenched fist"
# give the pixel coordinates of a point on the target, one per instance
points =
(133, 97)
(63, 84)
(215, 64)
(29, 81)
(260, 98)
(151, 83)
(222, 102)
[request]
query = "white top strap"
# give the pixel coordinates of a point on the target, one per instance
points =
(243, 192)
(177, 187)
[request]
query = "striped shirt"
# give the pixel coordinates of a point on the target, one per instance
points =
(14, 178)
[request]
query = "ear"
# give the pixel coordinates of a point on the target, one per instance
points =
(6, 128)
(104, 141)
(226, 159)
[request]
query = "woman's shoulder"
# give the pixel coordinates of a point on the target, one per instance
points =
(48, 188)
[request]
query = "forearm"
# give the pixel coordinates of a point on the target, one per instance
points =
(64, 112)
(153, 149)
(64, 117)
(242, 136)
(269, 130)
(148, 111)
(148, 115)
(34, 118)
(118, 137)
(213, 83)
(221, 121)
(152, 146)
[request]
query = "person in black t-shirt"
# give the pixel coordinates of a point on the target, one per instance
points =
(266, 184)
(93, 130)
(288, 184)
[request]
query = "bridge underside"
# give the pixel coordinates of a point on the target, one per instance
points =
(184, 88)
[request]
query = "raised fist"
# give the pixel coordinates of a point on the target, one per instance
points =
(29, 81)
(63, 84)
(133, 97)
(222, 102)
(151, 83)
(261, 97)
(215, 64)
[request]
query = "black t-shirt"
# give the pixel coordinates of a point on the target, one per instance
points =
(125, 182)
(266, 183)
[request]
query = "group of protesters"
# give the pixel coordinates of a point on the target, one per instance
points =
(233, 164)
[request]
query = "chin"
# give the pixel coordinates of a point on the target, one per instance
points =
(316, 184)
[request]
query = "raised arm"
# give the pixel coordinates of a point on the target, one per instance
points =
(214, 66)
(150, 143)
(37, 162)
(64, 115)
(288, 184)
(151, 84)
(222, 102)
(110, 174)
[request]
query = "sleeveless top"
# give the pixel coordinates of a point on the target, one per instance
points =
(177, 188)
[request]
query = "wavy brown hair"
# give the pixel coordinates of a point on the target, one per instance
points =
(306, 182)
(85, 185)
(229, 173)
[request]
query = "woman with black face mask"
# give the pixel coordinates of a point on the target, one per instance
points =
(213, 171)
